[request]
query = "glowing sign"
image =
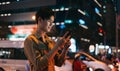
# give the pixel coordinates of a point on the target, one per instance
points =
(23, 29)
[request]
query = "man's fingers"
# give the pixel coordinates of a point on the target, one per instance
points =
(66, 34)
(68, 37)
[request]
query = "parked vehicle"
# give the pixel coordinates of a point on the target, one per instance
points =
(12, 56)
(92, 62)
(67, 66)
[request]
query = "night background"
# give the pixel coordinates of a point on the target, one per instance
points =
(83, 26)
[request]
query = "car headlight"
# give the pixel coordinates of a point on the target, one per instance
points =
(111, 66)
(90, 69)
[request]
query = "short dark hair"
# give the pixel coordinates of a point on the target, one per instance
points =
(44, 13)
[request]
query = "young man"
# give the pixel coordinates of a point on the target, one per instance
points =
(41, 51)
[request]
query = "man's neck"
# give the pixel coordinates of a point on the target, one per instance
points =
(41, 33)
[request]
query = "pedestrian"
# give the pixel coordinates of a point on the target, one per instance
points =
(40, 49)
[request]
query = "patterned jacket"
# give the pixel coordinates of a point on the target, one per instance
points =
(36, 50)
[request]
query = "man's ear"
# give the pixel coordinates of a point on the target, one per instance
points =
(39, 19)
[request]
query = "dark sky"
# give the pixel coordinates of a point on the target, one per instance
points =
(118, 6)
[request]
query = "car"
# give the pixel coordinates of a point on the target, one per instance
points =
(92, 62)
(67, 66)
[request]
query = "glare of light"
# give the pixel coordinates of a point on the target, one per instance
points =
(109, 50)
(68, 21)
(18, 0)
(97, 3)
(97, 10)
(81, 21)
(85, 39)
(100, 34)
(7, 52)
(99, 24)
(111, 66)
(56, 9)
(96, 49)
(92, 48)
(62, 8)
(101, 46)
(8, 2)
(81, 11)
(107, 47)
(9, 14)
(9, 26)
(57, 23)
(16, 39)
(53, 37)
(62, 23)
(62, 26)
(3, 52)
(73, 45)
(66, 9)
(85, 27)
(104, 6)
(3, 3)
(91, 69)
(99, 14)
(53, 23)
(33, 17)
(2, 15)
(5, 14)
(53, 9)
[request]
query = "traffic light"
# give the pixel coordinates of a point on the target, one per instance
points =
(100, 30)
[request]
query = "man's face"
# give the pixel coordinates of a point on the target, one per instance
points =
(47, 24)
(50, 23)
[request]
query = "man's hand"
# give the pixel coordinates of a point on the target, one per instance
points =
(64, 41)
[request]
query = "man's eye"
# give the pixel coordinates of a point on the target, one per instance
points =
(48, 21)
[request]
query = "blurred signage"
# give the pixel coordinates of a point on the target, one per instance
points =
(23, 29)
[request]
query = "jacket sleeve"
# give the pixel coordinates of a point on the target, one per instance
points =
(37, 62)
(61, 55)
(60, 58)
